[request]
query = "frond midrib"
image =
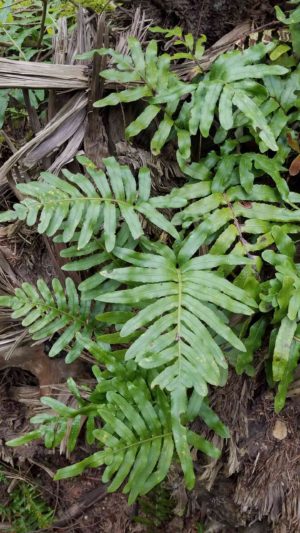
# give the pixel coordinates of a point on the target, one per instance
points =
(82, 199)
(178, 334)
(137, 443)
(48, 307)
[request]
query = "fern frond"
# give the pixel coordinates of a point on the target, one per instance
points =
(156, 83)
(45, 313)
(93, 255)
(91, 205)
(139, 439)
(282, 296)
(230, 83)
(180, 310)
(259, 209)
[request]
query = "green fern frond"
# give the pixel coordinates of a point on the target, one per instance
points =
(180, 310)
(91, 205)
(258, 209)
(156, 317)
(230, 83)
(45, 313)
(139, 441)
(156, 83)
(93, 255)
(140, 436)
(281, 295)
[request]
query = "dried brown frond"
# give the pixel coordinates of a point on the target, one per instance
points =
(138, 28)
(165, 172)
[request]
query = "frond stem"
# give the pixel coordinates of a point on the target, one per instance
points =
(83, 199)
(46, 308)
(178, 334)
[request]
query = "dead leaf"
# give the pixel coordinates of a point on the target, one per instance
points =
(293, 143)
(295, 166)
(280, 430)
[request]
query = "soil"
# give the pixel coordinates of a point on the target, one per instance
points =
(212, 18)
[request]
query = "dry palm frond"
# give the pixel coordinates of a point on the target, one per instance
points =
(63, 126)
(138, 28)
(165, 173)
(66, 46)
(32, 75)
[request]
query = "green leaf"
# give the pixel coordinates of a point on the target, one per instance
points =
(279, 51)
(136, 54)
(177, 316)
(47, 312)
(8, 216)
(184, 143)
(161, 135)
(143, 121)
(282, 348)
(126, 96)
(24, 439)
(203, 445)
(225, 108)
(253, 113)
(180, 435)
(173, 32)
(213, 91)
(246, 172)
(4, 101)
(151, 64)
(212, 420)
(57, 406)
(287, 378)
(120, 77)
(199, 48)
(6, 301)
(189, 41)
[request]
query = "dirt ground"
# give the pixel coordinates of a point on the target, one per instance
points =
(212, 18)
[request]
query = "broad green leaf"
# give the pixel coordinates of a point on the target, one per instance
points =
(278, 51)
(246, 172)
(225, 108)
(287, 378)
(253, 113)
(4, 101)
(212, 420)
(161, 135)
(142, 121)
(128, 95)
(203, 445)
(24, 439)
(151, 63)
(179, 404)
(213, 91)
(136, 54)
(184, 143)
(57, 406)
(282, 348)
